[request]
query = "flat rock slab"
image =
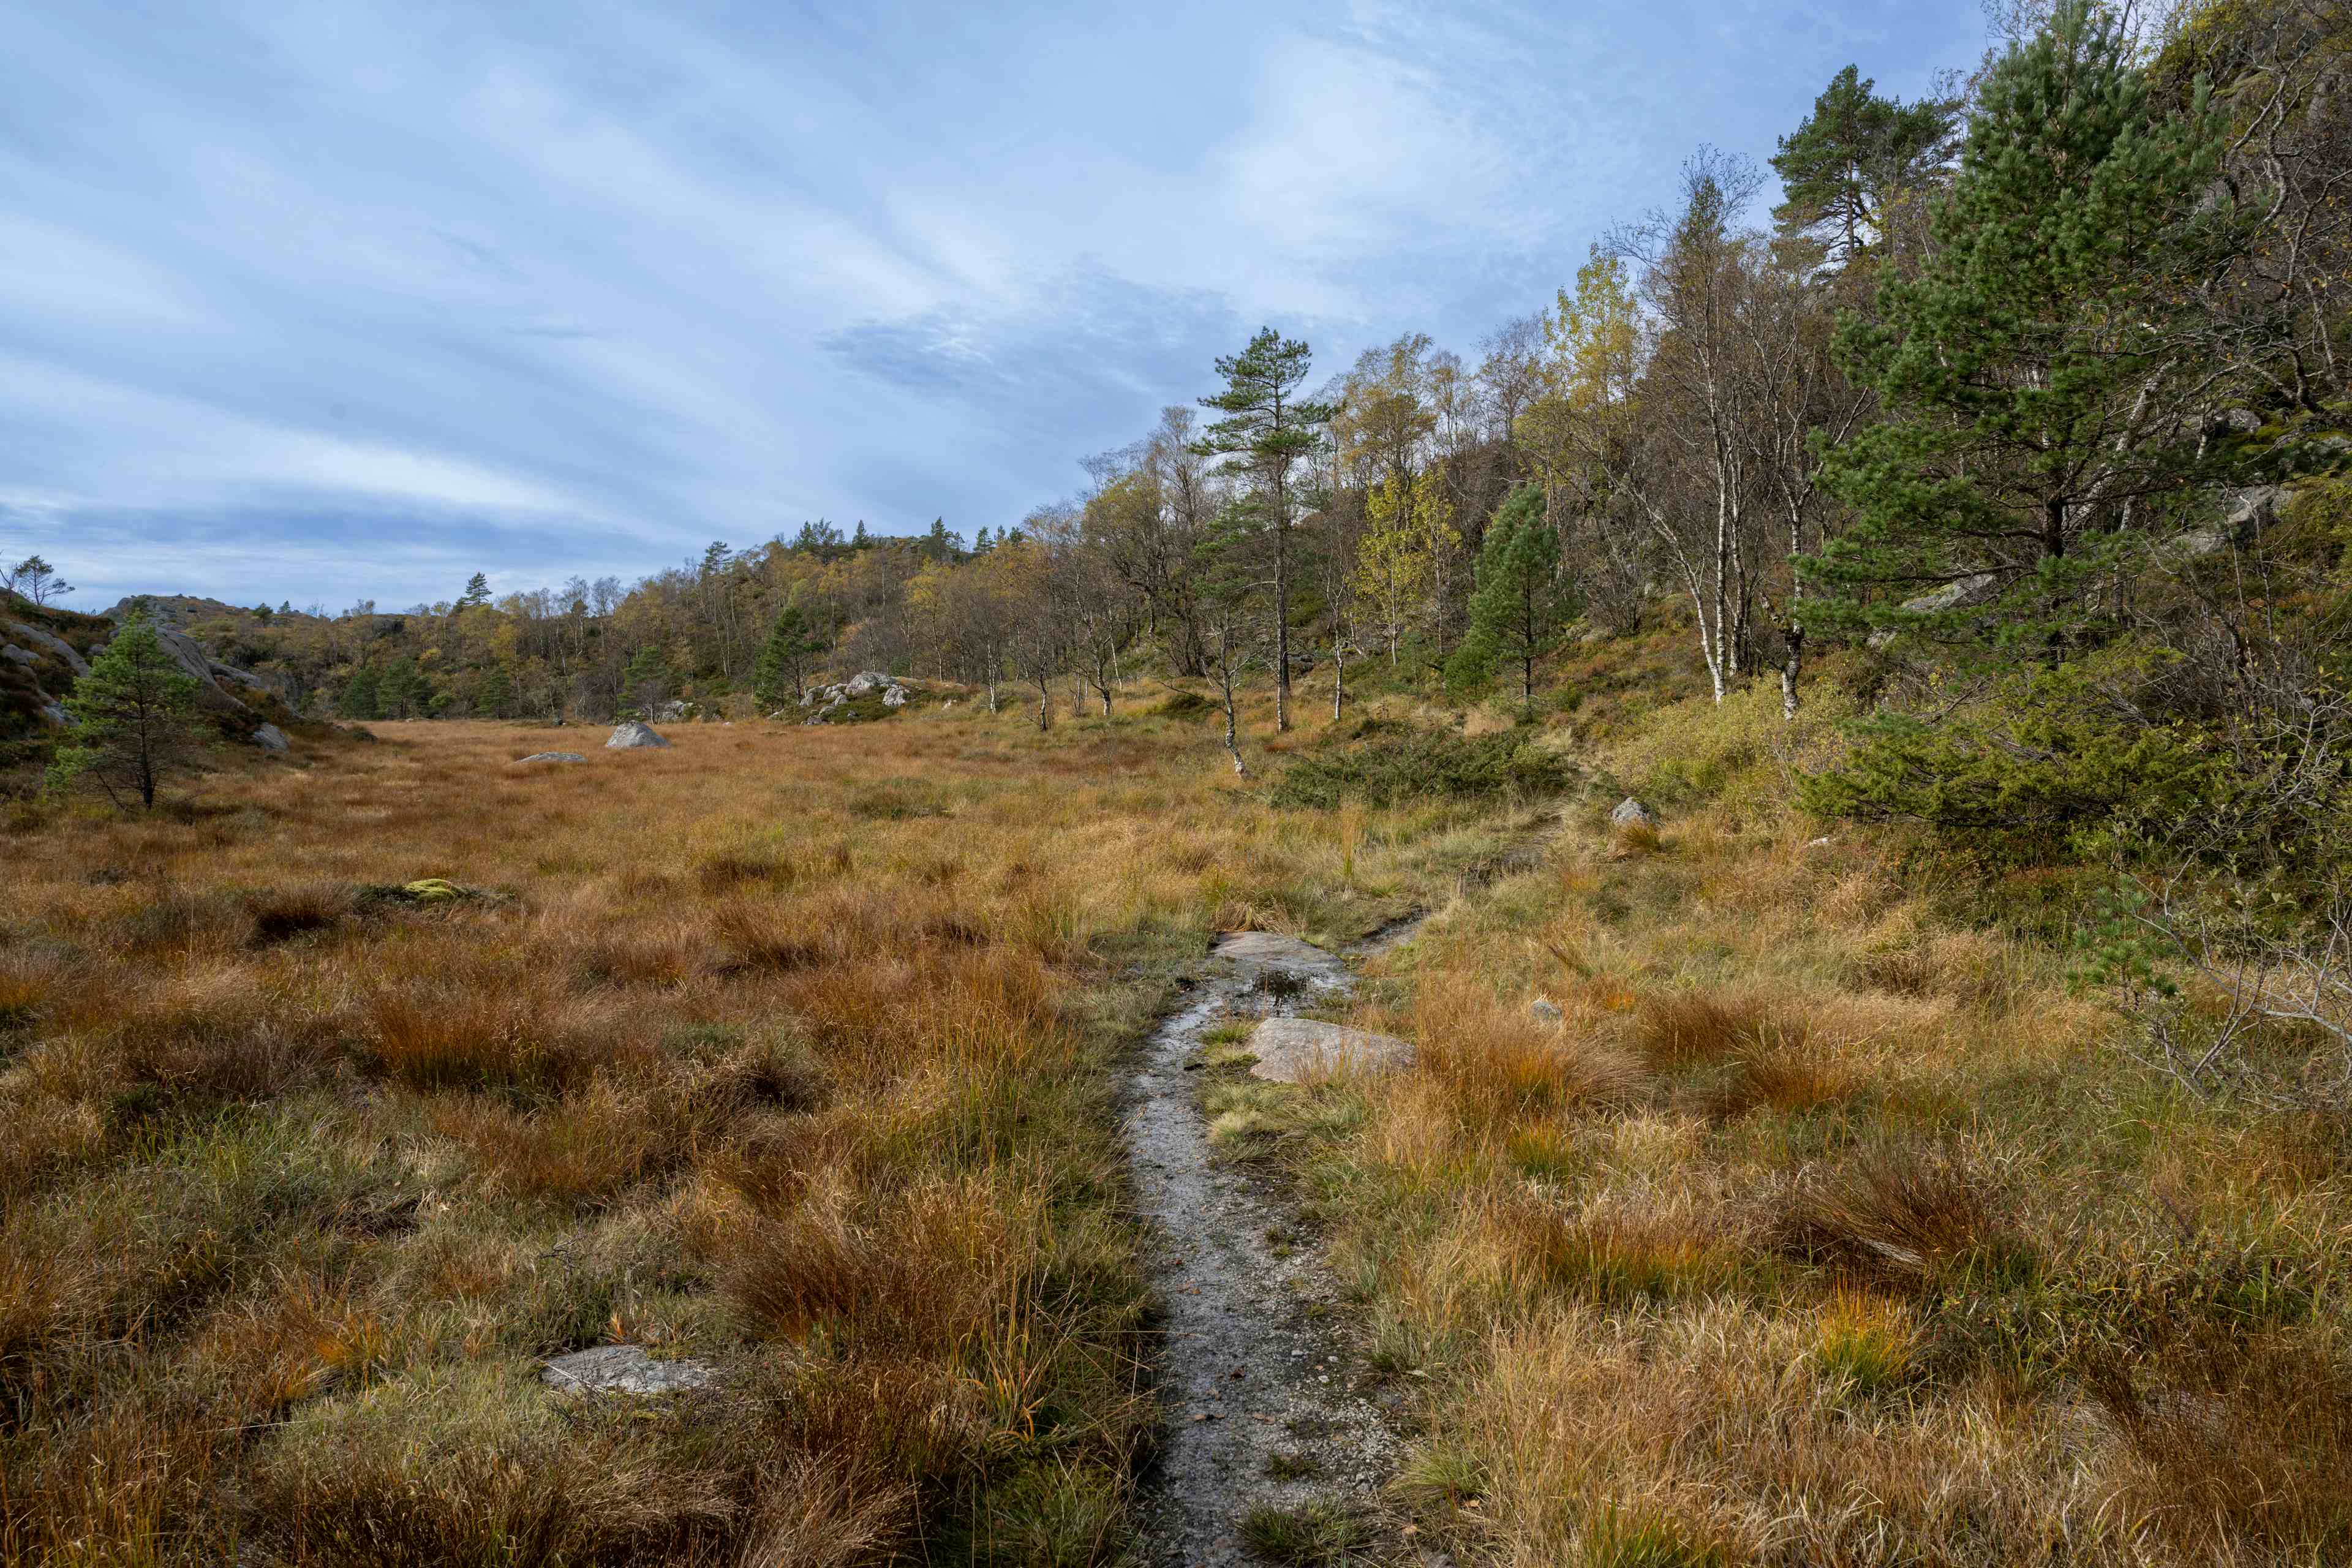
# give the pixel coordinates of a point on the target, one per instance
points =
(551, 757)
(1269, 947)
(1302, 1050)
(623, 1369)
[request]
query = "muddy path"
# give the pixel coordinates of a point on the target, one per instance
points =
(1265, 1400)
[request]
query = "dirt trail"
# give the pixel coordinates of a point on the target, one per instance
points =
(1265, 1400)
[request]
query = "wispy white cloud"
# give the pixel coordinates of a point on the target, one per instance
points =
(542, 284)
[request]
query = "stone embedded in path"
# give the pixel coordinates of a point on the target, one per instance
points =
(634, 733)
(1300, 1050)
(1268, 947)
(622, 1369)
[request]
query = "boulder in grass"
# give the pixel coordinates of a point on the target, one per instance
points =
(634, 733)
(551, 757)
(1303, 1050)
(1630, 812)
(270, 739)
(896, 697)
(623, 1369)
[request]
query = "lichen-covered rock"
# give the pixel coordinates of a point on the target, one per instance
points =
(1304, 1050)
(896, 697)
(623, 1369)
(1631, 811)
(634, 733)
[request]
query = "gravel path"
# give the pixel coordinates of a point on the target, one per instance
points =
(1266, 1402)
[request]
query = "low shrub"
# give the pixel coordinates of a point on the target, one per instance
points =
(1385, 769)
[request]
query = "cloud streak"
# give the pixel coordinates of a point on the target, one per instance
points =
(348, 300)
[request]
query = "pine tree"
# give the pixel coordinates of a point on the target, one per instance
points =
(1270, 429)
(2035, 371)
(781, 669)
(646, 685)
(493, 695)
(820, 538)
(939, 545)
(402, 691)
(36, 579)
(135, 712)
(1514, 611)
(476, 594)
(1852, 159)
(362, 697)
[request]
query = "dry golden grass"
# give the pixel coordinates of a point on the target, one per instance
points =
(1824, 1227)
(789, 1050)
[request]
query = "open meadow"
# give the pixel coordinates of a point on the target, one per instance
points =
(788, 1051)
(1826, 1223)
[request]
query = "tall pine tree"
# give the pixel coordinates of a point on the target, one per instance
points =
(135, 718)
(1514, 611)
(1270, 429)
(1852, 158)
(2038, 371)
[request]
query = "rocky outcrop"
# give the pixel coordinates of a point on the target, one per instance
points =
(830, 701)
(36, 642)
(633, 734)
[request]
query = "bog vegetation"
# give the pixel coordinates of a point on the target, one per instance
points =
(1936, 1143)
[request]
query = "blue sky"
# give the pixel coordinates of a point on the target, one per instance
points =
(318, 301)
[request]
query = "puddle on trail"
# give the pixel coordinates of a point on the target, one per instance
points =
(1260, 1393)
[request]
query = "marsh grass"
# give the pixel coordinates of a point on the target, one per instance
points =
(1812, 1221)
(790, 1051)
